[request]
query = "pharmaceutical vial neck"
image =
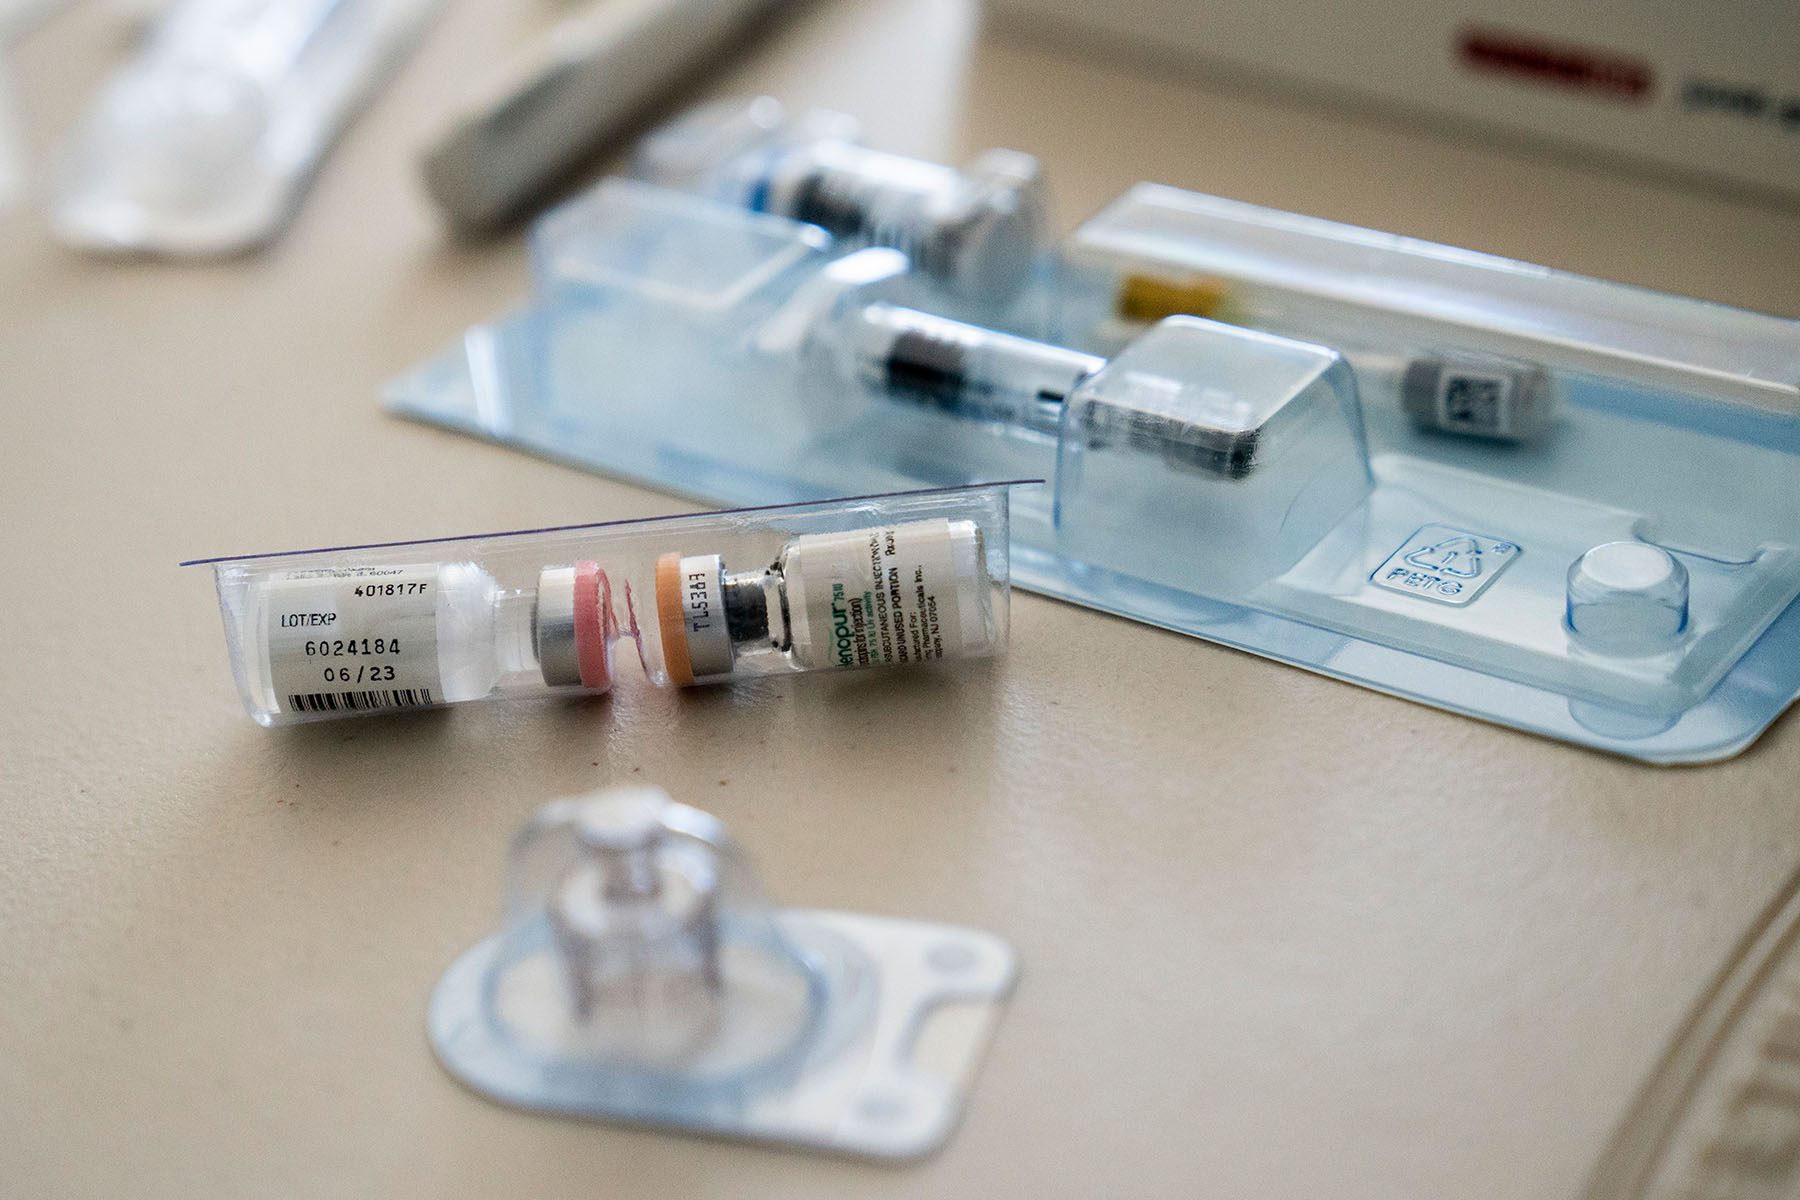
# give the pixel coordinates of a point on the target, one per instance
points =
(747, 596)
(515, 627)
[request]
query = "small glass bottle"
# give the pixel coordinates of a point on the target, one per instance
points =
(328, 641)
(907, 593)
(904, 579)
(976, 230)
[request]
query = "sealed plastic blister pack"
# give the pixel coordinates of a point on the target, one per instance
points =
(894, 580)
(1553, 503)
(1587, 491)
(639, 975)
(202, 144)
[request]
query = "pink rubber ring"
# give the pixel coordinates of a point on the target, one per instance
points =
(594, 624)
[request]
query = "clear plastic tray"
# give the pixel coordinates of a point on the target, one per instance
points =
(1543, 500)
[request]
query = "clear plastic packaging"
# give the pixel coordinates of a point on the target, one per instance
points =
(1252, 443)
(202, 144)
(899, 579)
(976, 231)
(1613, 470)
(1409, 515)
(1395, 301)
(582, 84)
(640, 975)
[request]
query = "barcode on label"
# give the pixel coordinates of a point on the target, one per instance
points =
(360, 701)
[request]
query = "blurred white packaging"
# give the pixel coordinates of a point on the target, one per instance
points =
(1708, 89)
(203, 143)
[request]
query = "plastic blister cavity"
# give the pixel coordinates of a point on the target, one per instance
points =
(1628, 598)
(1256, 442)
(976, 230)
(202, 144)
(640, 976)
(1406, 516)
(900, 580)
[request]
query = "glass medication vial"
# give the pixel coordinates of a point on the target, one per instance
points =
(900, 579)
(892, 594)
(331, 640)
(976, 230)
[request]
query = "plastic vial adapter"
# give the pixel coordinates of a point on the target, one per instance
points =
(976, 231)
(900, 579)
(640, 976)
(203, 143)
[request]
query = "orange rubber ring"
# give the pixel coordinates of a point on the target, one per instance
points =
(672, 621)
(593, 616)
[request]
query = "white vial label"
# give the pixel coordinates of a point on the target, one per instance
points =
(895, 594)
(703, 616)
(350, 639)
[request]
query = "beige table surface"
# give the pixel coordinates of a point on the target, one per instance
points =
(1282, 937)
